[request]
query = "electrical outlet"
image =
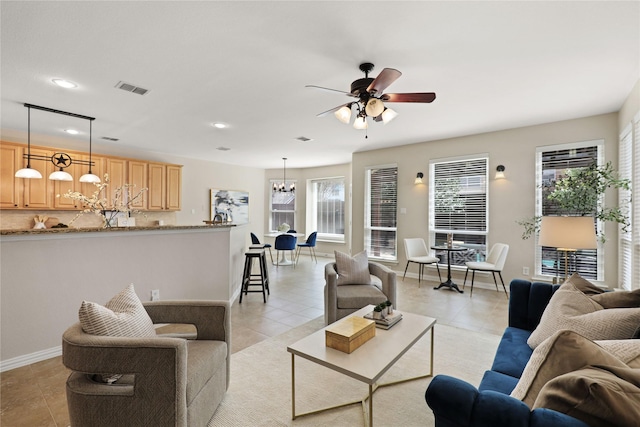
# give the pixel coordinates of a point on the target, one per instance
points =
(155, 295)
(525, 271)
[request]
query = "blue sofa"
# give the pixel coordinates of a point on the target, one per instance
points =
(456, 403)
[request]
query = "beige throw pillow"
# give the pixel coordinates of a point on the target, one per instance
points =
(123, 316)
(584, 285)
(353, 270)
(570, 308)
(618, 299)
(601, 396)
(563, 352)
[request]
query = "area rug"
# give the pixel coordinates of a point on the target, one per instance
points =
(260, 389)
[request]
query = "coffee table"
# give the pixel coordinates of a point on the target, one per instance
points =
(367, 363)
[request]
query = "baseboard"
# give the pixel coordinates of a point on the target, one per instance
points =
(28, 359)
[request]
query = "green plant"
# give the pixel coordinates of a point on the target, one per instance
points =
(387, 303)
(579, 193)
(377, 308)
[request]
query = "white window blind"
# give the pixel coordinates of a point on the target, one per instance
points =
(381, 213)
(625, 239)
(282, 207)
(459, 205)
(552, 163)
(635, 186)
(326, 208)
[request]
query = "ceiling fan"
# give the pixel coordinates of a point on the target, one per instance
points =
(370, 98)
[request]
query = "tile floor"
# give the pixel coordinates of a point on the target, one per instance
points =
(34, 395)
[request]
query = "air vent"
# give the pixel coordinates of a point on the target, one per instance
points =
(223, 148)
(131, 88)
(108, 138)
(304, 139)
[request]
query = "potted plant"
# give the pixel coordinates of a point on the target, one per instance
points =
(389, 307)
(377, 311)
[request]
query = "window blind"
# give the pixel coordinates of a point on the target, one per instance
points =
(381, 212)
(327, 206)
(625, 239)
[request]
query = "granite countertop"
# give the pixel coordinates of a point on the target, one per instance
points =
(108, 230)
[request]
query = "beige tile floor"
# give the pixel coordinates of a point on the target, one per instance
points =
(34, 395)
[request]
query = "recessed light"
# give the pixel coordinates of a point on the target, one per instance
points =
(219, 125)
(72, 131)
(64, 83)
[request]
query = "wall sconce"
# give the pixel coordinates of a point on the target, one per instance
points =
(419, 177)
(500, 172)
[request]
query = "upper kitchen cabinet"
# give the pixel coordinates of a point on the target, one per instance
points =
(165, 187)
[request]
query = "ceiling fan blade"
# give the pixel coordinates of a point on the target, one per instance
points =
(333, 110)
(329, 89)
(409, 97)
(384, 79)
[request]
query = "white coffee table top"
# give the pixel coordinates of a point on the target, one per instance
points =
(371, 360)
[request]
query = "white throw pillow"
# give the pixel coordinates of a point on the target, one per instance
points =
(353, 270)
(123, 316)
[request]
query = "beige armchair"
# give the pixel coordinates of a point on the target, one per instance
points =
(342, 300)
(165, 381)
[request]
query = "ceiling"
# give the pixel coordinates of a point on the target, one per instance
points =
(493, 65)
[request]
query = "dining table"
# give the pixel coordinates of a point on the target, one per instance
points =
(284, 260)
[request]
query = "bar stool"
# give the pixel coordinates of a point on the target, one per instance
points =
(249, 279)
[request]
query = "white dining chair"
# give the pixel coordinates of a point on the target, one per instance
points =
(417, 252)
(494, 264)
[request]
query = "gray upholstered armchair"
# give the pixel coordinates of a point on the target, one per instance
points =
(342, 300)
(165, 381)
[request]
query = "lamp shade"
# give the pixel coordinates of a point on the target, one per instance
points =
(374, 107)
(388, 114)
(568, 232)
(28, 173)
(360, 123)
(343, 114)
(90, 178)
(60, 176)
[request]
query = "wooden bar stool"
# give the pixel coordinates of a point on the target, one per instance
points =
(250, 279)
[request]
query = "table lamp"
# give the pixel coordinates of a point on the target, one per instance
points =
(567, 234)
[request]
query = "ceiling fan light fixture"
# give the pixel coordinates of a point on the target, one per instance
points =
(344, 114)
(374, 107)
(388, 114)
(360, 123)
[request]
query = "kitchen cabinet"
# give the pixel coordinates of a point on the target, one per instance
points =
(117, 171)
(10, 186)
(38, 193)
(165, 187)
(138, 178)
(174, 187)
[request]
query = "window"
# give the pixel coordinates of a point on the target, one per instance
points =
(325, 208)
(283, 207)
(458, 205)
(629, 168)
(380, 213)
(551, 164)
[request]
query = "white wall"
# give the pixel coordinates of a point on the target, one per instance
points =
(509, 200)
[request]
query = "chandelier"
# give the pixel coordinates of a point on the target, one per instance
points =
(282, 187)
(59, 160)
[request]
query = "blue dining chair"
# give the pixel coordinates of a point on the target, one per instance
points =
(311, 244)
(256, 242)
(285, 242)
(292, 231)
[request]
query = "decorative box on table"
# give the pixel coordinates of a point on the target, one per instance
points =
(348, 334)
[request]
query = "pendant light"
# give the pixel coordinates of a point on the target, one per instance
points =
(27, 172)
(90, 177)
(282, 188)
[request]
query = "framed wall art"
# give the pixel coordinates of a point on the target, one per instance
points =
(229, 206)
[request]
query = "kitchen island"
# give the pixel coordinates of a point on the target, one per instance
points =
(46, 274)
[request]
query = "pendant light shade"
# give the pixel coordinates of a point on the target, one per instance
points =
(388, 114)
(374, 107)
(60, 176)
(27, 172)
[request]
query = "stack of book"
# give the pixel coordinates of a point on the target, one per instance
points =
(388, 321)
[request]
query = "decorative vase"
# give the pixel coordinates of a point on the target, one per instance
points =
(450, 240)
(389, 310)
(377, 315)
